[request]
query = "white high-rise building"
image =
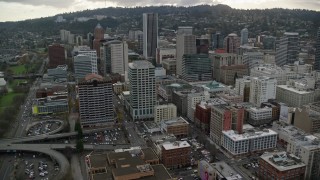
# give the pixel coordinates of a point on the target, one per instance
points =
(288, 50)
(165, 112)
(115, 58)
(150, 34)
(261, 89)
(244, 36)
(186, 44)
(85, 63)
(242, 87)
(142, 88)
(253, 59)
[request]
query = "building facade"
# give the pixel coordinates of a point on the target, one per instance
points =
(56, 55)
(85, 63)
(164, 112)
(95, 101)
(231, 43)
(176, 154)
(150, 34)
(196, 67)
(262, 89)
(142, 89)
(288, 50)
(244, 36)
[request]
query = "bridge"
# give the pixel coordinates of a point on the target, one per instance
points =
(50, 149)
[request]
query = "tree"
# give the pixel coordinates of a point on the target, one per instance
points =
(79, 145)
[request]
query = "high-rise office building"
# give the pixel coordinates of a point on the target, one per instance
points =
(317, 57)
(142, 89)
(202, 45)
(262, 89)
(85, 63)
(57, 55)
(98, 36)
(269, 42)
(186, 44)
(288, 50)
(196, 67)
(150, 34)
(115, 57)
(231, 43)
(95, 101)
(217, 40)
(244, 36)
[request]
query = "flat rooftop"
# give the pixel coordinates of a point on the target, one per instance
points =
(149, 154)
(248, 134)
(98, 160)
(140, 65)
(294, 90)
(175, 122)
(100, 176)
(175, 145)
(160, 173)
(283, 161)
(226, 171)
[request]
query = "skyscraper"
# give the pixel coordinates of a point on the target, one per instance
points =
(231, 43)
(196, 67)
(217, 40)
(57, 55)
(244, 36)
(150, 34)
(98, 36)
(186, 44)
(317, 57)
(288, 50)
(142, 89)
(115, 57)
(95, 101)
(85, 63)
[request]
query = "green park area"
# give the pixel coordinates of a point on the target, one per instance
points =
(7, 100)
(20, 69)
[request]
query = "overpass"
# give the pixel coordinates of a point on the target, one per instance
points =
(61, 160)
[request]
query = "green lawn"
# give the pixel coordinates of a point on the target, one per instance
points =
(6, 100)
(15, 82)
(20, 69)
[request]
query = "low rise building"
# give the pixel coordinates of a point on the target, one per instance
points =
(259, 116)
(50, 105)
(170, 65)
(228, 74)
(281, 165)
(231, 97)
(177, 126)
(164, 112)
(176, 154)
(252, 140)
(217, 171)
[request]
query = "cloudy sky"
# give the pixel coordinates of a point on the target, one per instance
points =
(13, 10)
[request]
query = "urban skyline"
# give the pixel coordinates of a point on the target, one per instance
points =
(31, 9)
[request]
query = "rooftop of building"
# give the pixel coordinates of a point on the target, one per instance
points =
(163, 138)
(149, 154)
(211, 102)
(283, 161)
(175, 145)
(141, 64)
(248, 134)
(160, 173)
(3, 82)
(100, 176)
(98, 160)
(209, 85)
(175, 122)
(263, 78)
(291, 33)
(150, 125)
(292, 89)
(129, 162)
(226, 171)
(258, 109)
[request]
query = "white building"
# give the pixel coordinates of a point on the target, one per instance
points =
(253, 59)
(85, 63)
(193, 99)
(160, 71)
(261, 89)
(142, 88)
(165, 53)
(259, 116)
(164, 112)
(250, 141)
(242, 87)
(186, 44)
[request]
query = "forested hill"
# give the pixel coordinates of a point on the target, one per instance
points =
(219, 17)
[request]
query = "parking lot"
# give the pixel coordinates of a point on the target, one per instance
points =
(110, 136)
(43, 127)
(35, 166)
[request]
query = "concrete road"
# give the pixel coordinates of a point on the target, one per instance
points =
(75, 168)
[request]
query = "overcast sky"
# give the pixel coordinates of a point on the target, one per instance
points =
(13, 10)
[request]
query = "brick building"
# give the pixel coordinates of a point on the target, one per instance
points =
(176, 154)
(57, 55)
(177, 126)
(281, 165)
